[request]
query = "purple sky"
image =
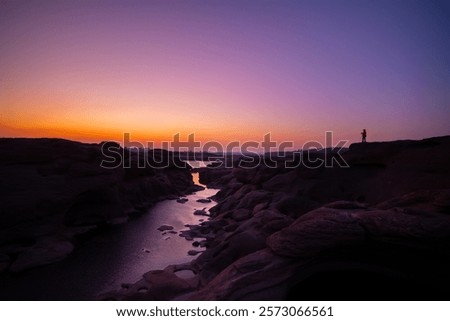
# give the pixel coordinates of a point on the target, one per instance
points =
(226, 70)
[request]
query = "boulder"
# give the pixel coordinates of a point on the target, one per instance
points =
(320, 230)
(281, 183)
(94, 206)
(253, 198)
(241, 214)
(44, 252)
(233, 247)
(295, 205)
(201, 212)
(260, 275)
(159, 285)
(328, 229)
(165, 227)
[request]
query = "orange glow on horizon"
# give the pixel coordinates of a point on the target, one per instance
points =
(153, 69)
(90, 134)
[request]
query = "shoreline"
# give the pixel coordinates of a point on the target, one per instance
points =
(109, 257)
(275, 233)
(53, 190)
(379, 229)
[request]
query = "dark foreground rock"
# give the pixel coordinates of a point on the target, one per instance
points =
(378, 229)
(157, 285)
(163, 228)
(52, 190)
(355, 254)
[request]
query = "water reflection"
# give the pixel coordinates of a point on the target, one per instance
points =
(118, 255)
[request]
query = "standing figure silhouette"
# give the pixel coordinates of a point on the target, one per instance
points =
(363, 135)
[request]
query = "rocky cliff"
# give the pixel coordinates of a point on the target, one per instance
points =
(52, 190)
(377, 229)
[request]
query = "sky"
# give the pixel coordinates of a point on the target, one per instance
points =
(224, 70)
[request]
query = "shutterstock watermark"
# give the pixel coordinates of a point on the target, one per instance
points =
(247, 154)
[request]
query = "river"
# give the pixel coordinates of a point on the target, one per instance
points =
(117, 255)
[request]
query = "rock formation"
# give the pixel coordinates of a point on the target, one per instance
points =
(54, 189)
(378, 229)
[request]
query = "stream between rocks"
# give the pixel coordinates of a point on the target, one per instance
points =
(114, 256)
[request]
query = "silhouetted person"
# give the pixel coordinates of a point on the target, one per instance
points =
(363, 135)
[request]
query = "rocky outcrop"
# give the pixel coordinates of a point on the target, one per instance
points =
(214, 177)
(404, 250)
(41, 253)
(54, 189)
(156, 285)
(378, 229)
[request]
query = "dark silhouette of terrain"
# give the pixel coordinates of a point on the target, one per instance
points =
(377, 230)
(53, 190)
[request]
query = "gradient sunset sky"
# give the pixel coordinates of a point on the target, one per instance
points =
(226, 70)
